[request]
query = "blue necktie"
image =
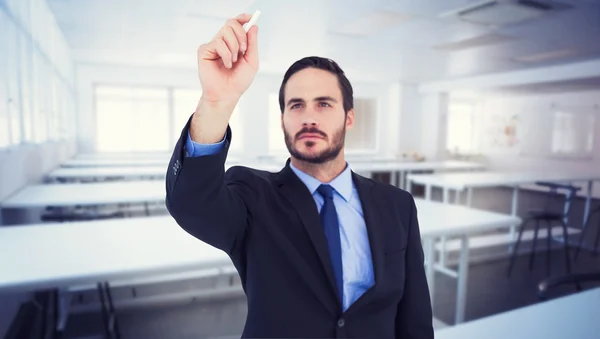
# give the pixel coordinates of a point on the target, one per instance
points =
(331, 227)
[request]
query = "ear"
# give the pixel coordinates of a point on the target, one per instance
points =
(282, 126)
(350, 119)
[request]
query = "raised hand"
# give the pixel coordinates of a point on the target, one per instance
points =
(228, 63)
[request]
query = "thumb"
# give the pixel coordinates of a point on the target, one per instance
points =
(252, 49)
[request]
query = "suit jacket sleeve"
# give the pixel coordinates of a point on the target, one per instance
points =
(414, 318)
(207, 202)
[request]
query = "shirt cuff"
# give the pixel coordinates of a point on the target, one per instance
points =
(194, 149)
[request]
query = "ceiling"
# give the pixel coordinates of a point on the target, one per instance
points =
(375, 40)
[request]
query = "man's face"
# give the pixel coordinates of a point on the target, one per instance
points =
(314, 122)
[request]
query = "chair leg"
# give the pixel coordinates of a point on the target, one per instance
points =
(566, 245)
(583, 232)
(515, 249)
(548, 246)
(597, 239)
(535, 235)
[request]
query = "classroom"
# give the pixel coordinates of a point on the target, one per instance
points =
(484, 113)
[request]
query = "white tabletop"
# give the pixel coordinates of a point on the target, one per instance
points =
(59, 254)
(460, 181)
(65, 254)
(123, 155)
(87, 194)
(571, 317)
(437, 219)
(159, 161)
(107, 172)
(385, 166)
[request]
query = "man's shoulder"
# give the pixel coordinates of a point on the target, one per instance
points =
(249, 174)
(388, 190)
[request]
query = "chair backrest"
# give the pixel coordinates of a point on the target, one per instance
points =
(568, 191)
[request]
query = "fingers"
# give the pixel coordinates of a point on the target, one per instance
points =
(252, 50)
(214, 50)
(232, 43)
(238, 29)
(232, 40)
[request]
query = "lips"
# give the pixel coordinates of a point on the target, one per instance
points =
(310, 136)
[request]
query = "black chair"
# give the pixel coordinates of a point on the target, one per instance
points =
(548, 216)
(576, 279)
(586, 228)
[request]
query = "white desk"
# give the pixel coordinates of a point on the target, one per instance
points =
(467, 181)
(403, 168)
(134, 169)
(61, 255)
(115, 249)
(123, 155)
(117, 162)
(82, 194)
(438, 220)
(570, 317)
(102, 173)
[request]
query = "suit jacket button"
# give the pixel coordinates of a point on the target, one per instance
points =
(341, 323)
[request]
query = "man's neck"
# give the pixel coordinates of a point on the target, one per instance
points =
(324, 172)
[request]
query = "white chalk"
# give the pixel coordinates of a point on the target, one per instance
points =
(252, 21)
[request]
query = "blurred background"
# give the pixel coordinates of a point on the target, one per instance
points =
(486, 110)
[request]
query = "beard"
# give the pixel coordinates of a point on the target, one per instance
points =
(327, 154)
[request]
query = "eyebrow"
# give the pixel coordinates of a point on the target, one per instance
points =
(300, 100)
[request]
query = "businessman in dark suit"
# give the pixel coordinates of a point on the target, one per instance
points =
(321, 251)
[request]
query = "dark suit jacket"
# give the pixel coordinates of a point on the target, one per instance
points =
(269, 225)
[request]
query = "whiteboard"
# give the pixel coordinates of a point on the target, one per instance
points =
(558, 131)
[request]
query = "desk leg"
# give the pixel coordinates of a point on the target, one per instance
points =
(463, 275)
(469, 196)
(513, 212)
(111, 326)
(588, 200)
(443, 238)
(401, 177)
(457, 197)
(64, 300)
(430, 261)
(394, 178)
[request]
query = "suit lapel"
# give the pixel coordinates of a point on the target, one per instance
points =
(375, 231)
(299, 197)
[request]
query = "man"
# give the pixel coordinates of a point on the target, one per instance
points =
(321, 251)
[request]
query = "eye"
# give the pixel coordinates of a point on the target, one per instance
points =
(324, 103)
(295, 106)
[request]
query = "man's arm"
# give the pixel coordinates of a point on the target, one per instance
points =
(207, 204)
(194, 149)
(205, 201)
(414, 318)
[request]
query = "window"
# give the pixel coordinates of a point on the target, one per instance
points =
(185, 102)
(25, 77)
(131, 119)
(362, 137)
(5, 46)
(573, 132)
(276, 139)
(39, 96)
(460, 128)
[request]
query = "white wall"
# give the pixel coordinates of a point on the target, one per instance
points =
(422, 112)
(529, 104)
(253, 106)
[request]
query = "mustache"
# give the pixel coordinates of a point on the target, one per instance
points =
(312, 130)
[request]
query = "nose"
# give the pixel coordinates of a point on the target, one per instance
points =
(309, 122)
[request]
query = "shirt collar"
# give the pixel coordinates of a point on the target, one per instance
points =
(342, 183)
